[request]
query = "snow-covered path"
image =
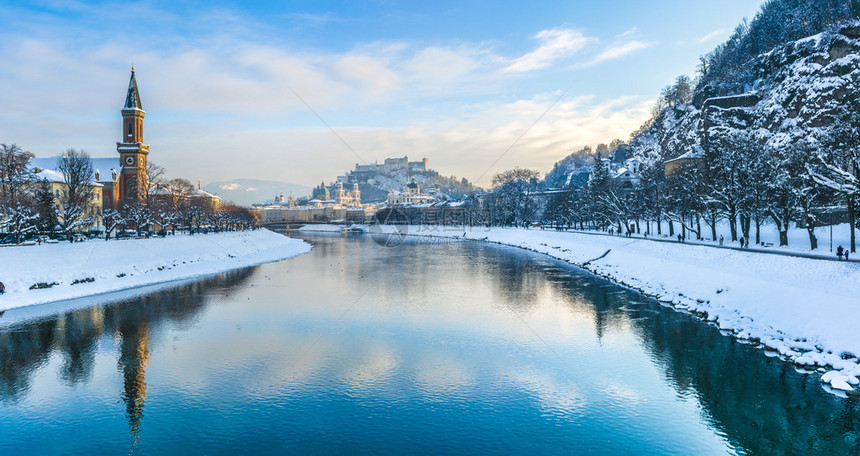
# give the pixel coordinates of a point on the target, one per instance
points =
(99, 267)
(805, 309)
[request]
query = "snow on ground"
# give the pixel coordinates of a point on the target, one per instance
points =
(803, 309)
(798, 238)
(101, 267)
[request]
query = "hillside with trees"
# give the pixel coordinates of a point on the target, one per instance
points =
(767, 134)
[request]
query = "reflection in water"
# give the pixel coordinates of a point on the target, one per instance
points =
(358, 348)
(760, 403)
(25, 347)
(134, 356)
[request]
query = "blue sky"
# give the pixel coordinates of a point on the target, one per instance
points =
(245, 89)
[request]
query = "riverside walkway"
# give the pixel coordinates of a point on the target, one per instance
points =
(854, 257)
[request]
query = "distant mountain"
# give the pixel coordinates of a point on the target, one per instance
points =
(249, 191)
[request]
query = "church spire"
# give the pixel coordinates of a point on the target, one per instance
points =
(132, 99)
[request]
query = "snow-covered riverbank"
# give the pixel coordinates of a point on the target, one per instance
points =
(804, 309)
(52, 272)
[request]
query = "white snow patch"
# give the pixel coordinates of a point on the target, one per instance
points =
(100, 267)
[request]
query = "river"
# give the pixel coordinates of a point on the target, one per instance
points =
(429, 347)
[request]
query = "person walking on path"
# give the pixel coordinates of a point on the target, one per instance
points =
(746, 242)
(839, 252)
(846, 254)
(721, 239)
(741, 240)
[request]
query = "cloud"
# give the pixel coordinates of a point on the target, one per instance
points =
(555, 44)
(714, 34)
(627, 33)
(220, 102)
(617, 51)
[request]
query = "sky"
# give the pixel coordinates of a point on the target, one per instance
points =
(301, 91)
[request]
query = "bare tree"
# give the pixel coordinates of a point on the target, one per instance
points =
(14, 173)
(78, 174)
(154, 176)
(177, 191)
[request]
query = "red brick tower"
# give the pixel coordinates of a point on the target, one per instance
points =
(132, 151)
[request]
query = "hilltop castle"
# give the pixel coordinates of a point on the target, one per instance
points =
(362, 172)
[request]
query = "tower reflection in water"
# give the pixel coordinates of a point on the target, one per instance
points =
(74, 336)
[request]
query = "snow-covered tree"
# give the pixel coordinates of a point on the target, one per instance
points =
(837, 167)
(112, 218)
(21, 218)
(76, 199)
(728, 161)
(139, 214)
(15, 203)
(46, 206)
(513, 196)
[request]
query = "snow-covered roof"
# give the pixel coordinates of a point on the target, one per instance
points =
(104, 166)
(49, 175)
(200, 193)
(697, 152)
(157, 190)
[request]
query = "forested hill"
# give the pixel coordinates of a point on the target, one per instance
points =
(805, 94)
(731, 68)
(797, 58)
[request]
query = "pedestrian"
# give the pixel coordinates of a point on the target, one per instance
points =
(846, 254)
(747, 242)
(839, 252)
(721, 239)
(679, 238)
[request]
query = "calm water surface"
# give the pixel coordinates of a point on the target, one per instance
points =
(445, 348)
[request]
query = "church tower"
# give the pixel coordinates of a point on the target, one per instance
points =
(132, 151)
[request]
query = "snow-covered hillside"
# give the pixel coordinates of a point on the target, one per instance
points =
(52, 272)
(800, 89)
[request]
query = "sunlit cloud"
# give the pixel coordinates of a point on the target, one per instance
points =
(224, 92)
(555, 44)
